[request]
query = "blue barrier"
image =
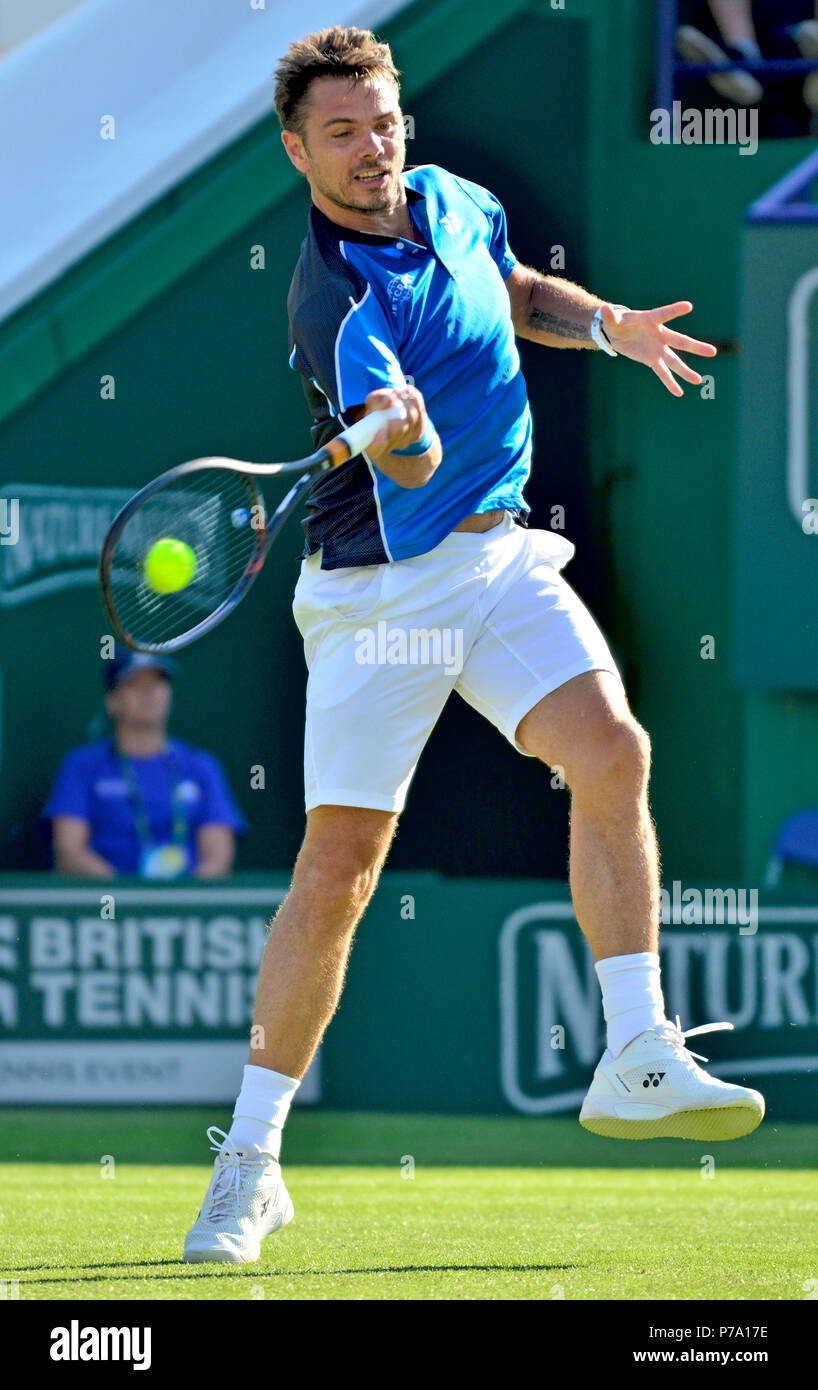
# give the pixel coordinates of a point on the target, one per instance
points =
(784, 201)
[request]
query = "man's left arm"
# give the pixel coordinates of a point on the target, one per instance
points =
(547, 309)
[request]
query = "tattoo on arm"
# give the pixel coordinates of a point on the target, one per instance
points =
(556, 312)
(543, 322)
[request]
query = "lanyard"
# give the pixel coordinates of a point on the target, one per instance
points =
(143, 829)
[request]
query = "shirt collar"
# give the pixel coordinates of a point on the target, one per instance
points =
(321, 222)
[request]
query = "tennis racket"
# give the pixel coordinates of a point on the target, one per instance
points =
(214, 510)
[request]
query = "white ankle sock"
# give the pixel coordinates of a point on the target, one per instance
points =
(631, 996)
(261, 1108)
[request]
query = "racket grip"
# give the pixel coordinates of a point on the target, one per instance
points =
(360, 435)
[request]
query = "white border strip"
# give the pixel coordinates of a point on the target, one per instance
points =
(129, 1072)
(169, 897)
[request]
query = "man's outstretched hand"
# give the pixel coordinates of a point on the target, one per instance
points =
(643, 335)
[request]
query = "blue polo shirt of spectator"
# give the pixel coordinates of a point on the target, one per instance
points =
(167, 796)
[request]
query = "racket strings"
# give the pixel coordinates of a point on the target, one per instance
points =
(220, 515)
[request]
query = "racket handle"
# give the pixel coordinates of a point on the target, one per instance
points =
(359, 436)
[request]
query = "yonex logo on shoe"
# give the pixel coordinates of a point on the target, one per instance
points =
(653, 1078)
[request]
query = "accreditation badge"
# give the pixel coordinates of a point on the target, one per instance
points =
(163, 861)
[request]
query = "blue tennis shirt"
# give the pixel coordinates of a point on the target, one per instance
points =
(90, 785)
(369, 311)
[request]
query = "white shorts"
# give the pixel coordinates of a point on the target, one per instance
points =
(485, 613)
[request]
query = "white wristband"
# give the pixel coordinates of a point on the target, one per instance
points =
(599, 335)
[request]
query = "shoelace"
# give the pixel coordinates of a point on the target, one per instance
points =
(225, 1191)
(677, 1036)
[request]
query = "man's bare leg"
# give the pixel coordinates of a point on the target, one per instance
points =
(735, 21)
(586, 728)
(302, 970)
(646, 1085)
(300, 983)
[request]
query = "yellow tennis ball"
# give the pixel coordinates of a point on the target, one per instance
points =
(170, 565)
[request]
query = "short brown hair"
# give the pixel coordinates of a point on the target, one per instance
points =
(337, 52)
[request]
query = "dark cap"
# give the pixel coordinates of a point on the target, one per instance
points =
(125, 662)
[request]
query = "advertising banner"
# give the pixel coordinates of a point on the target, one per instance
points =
(466, 996)
(129, 995)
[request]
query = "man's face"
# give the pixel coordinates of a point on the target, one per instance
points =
(352, 130)
(141, 700)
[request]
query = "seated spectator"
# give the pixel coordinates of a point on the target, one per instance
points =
(139, 802)
(730, 30)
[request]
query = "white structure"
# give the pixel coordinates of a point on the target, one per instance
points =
(109, 107)
(19, 19)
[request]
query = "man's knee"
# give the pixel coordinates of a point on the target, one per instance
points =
(614, 761)
(342, 854)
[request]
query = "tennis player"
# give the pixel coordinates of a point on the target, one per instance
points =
(406, 290)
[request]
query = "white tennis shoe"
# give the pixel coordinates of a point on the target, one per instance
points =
(655, 1090)
(245, 1202)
